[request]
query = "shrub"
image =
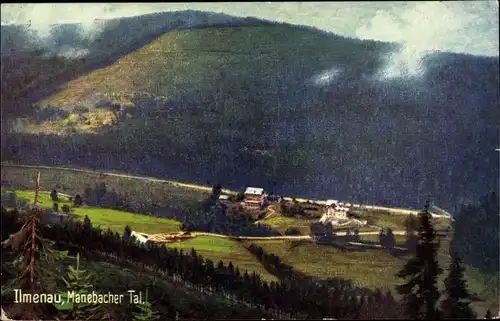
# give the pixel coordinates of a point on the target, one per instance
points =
(66, 209)
(240, 197)
(78, 200)
(292, 231)
(9, 199)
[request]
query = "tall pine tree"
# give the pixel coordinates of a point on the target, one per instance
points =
(420, 292)
(35, 268)
(457, 302)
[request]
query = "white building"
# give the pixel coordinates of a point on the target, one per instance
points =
(337, 210)
(253, 197)
(331, 202)
(141, 238)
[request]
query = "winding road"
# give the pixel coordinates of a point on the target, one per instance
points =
(144, 178)
(283, 237)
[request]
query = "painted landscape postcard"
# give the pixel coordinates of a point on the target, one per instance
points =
(254, 160)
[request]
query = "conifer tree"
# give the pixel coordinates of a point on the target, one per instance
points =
(127, 233)
(390, 239)
(78, 200)
(420, 293)
(382, 237)
(79, 281)
(34, 267)
(144, 311)
(54, 196)
(458, 299)
(66, 209)
(87, 224)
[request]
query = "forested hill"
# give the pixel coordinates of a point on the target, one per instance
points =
(273, 105)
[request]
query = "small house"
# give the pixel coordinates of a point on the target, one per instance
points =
(223, 197)
(337, 210)
(253, 197)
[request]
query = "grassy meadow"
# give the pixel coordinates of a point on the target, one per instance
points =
(372, 268)
(281, 224)
(225, 250)
(107, 218)
(393, 220)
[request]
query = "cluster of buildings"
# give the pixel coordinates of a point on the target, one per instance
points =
(255, 198)
(336, 212)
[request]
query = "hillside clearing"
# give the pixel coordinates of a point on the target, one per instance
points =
(107, 218)
(225, 250)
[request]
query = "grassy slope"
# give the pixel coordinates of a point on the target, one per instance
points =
(226, 250)
(372, 268)
(393, 220)
(108, 218)
(185, 60)
(281, 224)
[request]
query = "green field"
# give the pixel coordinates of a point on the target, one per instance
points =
(400, 239)
(395, 221)
(216, 249)
(371, 268)
(280, 224)
(108, 218)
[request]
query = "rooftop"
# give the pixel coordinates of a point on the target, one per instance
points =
(254, 191)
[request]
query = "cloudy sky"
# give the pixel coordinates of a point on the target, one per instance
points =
(459, 26)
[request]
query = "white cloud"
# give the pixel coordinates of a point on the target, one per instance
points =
(463, 27)
(326, 77)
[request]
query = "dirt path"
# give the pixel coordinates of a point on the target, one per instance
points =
(180, 236)
(272, 212)
(144, 178)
